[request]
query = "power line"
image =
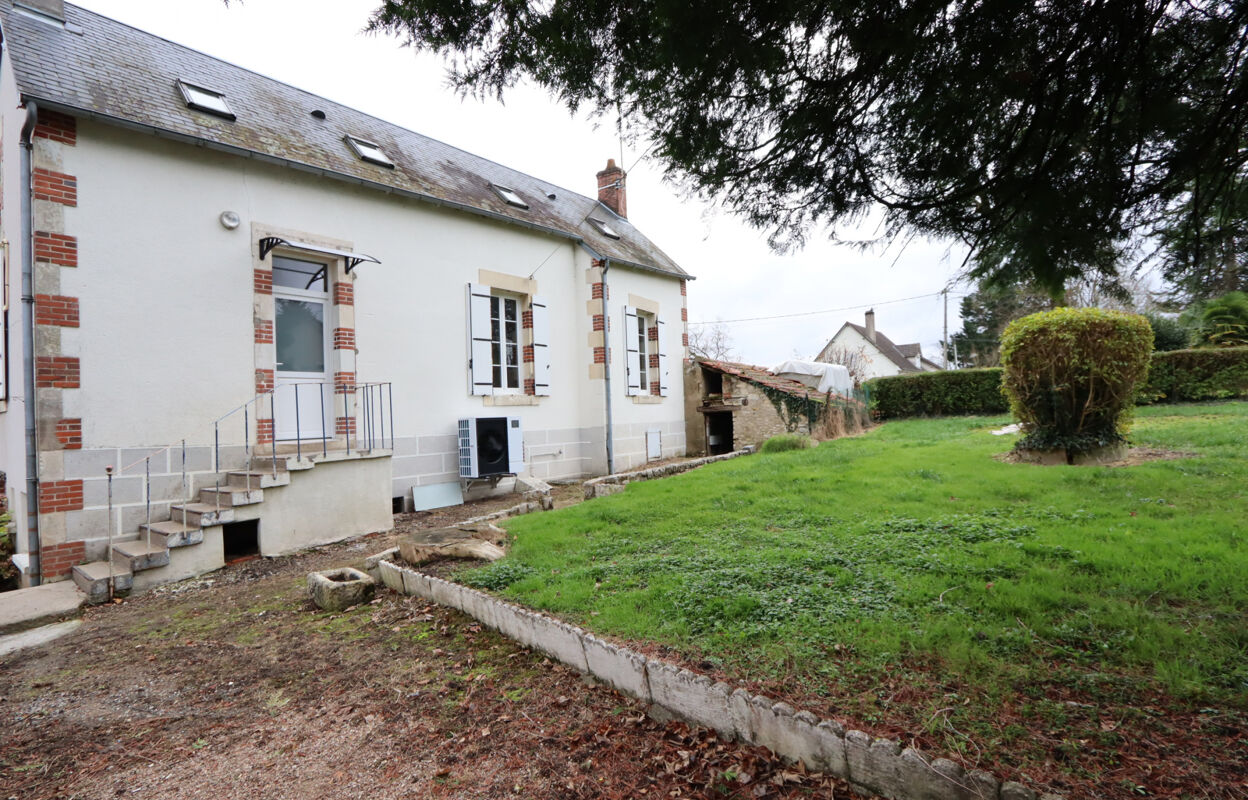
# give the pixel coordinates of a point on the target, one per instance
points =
(823, 311)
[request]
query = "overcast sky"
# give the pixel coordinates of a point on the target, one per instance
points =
(318, 46)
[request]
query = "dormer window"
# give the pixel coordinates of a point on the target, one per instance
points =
(370, 152)
(606, 229)
(510, 197)
(207, 100)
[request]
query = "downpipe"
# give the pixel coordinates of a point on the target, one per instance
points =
(28, 342)
(606, 369)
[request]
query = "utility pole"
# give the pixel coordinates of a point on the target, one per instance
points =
(945, 338)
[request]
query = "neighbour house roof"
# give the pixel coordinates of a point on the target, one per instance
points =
(100, 68)
(900, 355)
(762, 377)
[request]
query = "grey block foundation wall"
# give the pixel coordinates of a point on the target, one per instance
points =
(130, 495)
(555, 454)
(879, 766)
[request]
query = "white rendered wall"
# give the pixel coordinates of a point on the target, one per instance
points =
(166, 337)
(878, 366)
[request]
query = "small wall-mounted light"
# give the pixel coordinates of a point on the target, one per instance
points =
(229, 220)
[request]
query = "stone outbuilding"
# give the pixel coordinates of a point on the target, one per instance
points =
(730, 405)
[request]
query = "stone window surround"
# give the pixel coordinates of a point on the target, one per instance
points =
(501, 283)
(649, 308)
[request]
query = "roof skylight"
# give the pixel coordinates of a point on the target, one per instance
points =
(201, 99)
(370, 152)
(606, 229)
(510, 197)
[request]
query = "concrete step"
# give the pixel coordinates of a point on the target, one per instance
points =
(92, 579)
(230, 496)
(202, 514)
(257, 479)
(173, 533)
(137, 556)
(284, 463)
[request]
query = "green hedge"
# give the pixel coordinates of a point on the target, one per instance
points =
(1178, 376)
(1183, 376)
(963, 391)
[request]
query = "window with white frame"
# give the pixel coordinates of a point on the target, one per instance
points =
(508, 343)
(505, 343)
(646, 360)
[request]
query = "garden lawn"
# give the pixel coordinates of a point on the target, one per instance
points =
(910, 579)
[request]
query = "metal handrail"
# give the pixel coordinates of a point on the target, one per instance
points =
(378, 403)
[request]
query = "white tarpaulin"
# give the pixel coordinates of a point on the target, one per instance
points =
(820, 377)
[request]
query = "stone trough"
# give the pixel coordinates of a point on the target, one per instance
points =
(339, 589)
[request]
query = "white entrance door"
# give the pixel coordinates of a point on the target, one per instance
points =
(302, 402)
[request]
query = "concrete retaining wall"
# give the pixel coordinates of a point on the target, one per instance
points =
(610, 484)
(879, 766)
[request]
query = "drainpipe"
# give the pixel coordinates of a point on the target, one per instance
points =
(606, 369)
(28, 342)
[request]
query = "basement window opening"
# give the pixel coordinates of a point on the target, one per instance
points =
(510, 197)
(606, 229)
(370, 152)
(242, 540)
(207, 100)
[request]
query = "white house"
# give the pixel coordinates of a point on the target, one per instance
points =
(200, 260)
(875, 352)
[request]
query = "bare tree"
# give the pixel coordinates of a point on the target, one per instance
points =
(713, 342)
(853, 359)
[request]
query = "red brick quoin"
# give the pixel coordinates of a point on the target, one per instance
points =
(59, 559)
(56, 248)
(58, 127)
(344, 338)
(60, 496)
(264, 431)
(56, 187)
(69, 433)
(55, 309)
(264, 281)
(264, 331)
(56, 372)
(344, 294)
(264, 381)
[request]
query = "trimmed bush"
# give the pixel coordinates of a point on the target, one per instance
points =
(1071, 376)
(957, 392)
(1168, 333)
(787, 441)
(1185, 376)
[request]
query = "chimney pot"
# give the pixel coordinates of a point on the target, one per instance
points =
(871, 325)
(611, 189)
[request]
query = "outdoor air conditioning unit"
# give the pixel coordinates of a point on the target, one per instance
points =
(490, 447)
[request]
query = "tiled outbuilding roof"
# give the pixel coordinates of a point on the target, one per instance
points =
(110, 71)
(762, 377)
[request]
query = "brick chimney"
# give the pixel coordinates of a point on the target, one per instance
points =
(49, 8)
(871, 325)
(611, 189)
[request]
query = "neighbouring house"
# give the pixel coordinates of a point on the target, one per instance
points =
(874, 353)
(267, 314)
(729, 406)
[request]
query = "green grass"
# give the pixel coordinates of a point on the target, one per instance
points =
(913, 545)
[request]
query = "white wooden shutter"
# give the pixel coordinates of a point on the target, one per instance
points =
(663, 379)
(480, 360)
(632, 330)
(541, 347)
(515, 446)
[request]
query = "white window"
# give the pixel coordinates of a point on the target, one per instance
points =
(370, 152)
(498, 339)
(201, 99)
(606, 229)
(646, 361)
(510, 197)
(505, 343)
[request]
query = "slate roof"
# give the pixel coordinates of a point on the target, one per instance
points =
(120, 74)
(763, 377)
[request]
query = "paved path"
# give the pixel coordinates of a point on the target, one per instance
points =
(21, 608)
(36, 636)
